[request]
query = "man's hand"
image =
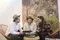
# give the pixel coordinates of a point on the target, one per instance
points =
(21, 33)
(18, 33)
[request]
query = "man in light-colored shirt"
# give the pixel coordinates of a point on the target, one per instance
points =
(15, 31)
(30, 26)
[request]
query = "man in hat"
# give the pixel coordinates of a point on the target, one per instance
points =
(15, 31)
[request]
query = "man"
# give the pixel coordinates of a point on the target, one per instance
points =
(15, 31)
(30, 26)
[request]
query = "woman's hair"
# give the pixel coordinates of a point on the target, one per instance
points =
(41, 17)
(29, 18)
(41, 24)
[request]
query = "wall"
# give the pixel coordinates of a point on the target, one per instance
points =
(59, 9)
(7, 9)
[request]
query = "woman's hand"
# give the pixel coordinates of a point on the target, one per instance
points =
(37, 30)
(49, 34)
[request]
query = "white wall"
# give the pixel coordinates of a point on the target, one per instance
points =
(8, 8)
(59, 9)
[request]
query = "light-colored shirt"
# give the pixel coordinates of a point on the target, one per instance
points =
(31, 27)
(13, 29)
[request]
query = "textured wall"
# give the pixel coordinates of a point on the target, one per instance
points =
(36, 8)
(45, 8)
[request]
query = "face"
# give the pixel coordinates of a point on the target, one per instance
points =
(29, 21)
(18, 20)
(39, 20)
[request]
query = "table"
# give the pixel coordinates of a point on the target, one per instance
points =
(28, 38)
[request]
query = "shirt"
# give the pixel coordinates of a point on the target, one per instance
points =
(31, 27)
(13, 29)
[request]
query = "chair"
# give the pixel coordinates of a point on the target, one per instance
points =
(3, 29)
(55, 33)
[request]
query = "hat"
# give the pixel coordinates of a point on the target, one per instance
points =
(29, 17)
(15, 16)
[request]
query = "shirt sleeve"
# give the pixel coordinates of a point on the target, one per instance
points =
(34, 28)
(25, 27)
(12, 30)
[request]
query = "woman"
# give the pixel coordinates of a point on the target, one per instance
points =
(41, 28)
(30, 26)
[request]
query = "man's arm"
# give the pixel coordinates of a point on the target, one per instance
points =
(12, 30)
